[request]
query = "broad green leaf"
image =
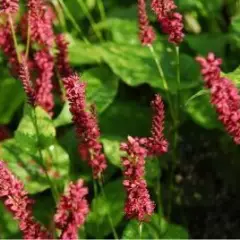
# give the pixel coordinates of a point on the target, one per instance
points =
(135, 65)
(29, 169)
(202, 112)
(175, 232)
(234, 76)
(153, 171)
(97, 222)
(112, 150)
(205, 43)
(8, 226)
(26, 133)
(125, 118)
(102, 86)
(11, 97)
(81, 53)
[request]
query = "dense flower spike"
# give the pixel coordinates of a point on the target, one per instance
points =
(157, 144)
(86, 124)
(18, 203)
(72, 210)
(146, 33)
(170, 21)
(26, 81)
(138, 203)
(173, 26)
(7, 46)
(41, 23)
(9, 6)
(44, 96)
(224, 95)
(163, 7)
(62, 61)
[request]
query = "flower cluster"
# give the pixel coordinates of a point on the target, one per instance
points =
(72, 210)
(62, 62)
(45, 64)
(9, 6)
(170, 21)
(18, 203)
(224, 95)
(86, 124)
(24, 76)
(157, 144)
(146, 34)
(138, 203)
(40, 22)
(7, 46)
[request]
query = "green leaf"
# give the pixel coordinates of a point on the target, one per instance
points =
(112, 150)
(26, 134)
(27, 168)
(97, 223)
(8, 226)
(175, 232)
(202, 112)
(135, 65)
(234, 76)
(153, 171)
(81, 53)
(11, 97)
(102, 86)
(205, 43)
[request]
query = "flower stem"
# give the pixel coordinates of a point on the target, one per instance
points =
(90, 18)
(140, 230)
(71, 18)
(53, 189)
(159, 202)
(108, 215)
(165, 85)
(101, 9)
(14, 37)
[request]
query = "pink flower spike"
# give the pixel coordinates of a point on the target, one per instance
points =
(138, 204)
(86, 124)
(62, 61)
(146, 32)
(26, 81)
(157, 144)
(44, 96)
(9, 6)
(224, 95)
(72, 210)
(163, 7)
(18, 203)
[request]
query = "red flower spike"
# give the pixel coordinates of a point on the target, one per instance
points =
(72, 210)
(9, 6)
(146, 32)
(18, 203)
(163, 7)
(138, 204)
(44, 96)
(26, 81)
(224, 95)
(157, 144)
(62, 61)
(86, 124)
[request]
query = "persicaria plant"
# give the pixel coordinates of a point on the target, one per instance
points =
(92, 142)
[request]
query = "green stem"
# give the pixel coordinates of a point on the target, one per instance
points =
(140, 230)
(60, 15)
(178, 80)
(71, 18)
(165, 84)
(90, 19)
(108, 215)
(158, 193)
(14, 37)
(101, 9)
(53, 189)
